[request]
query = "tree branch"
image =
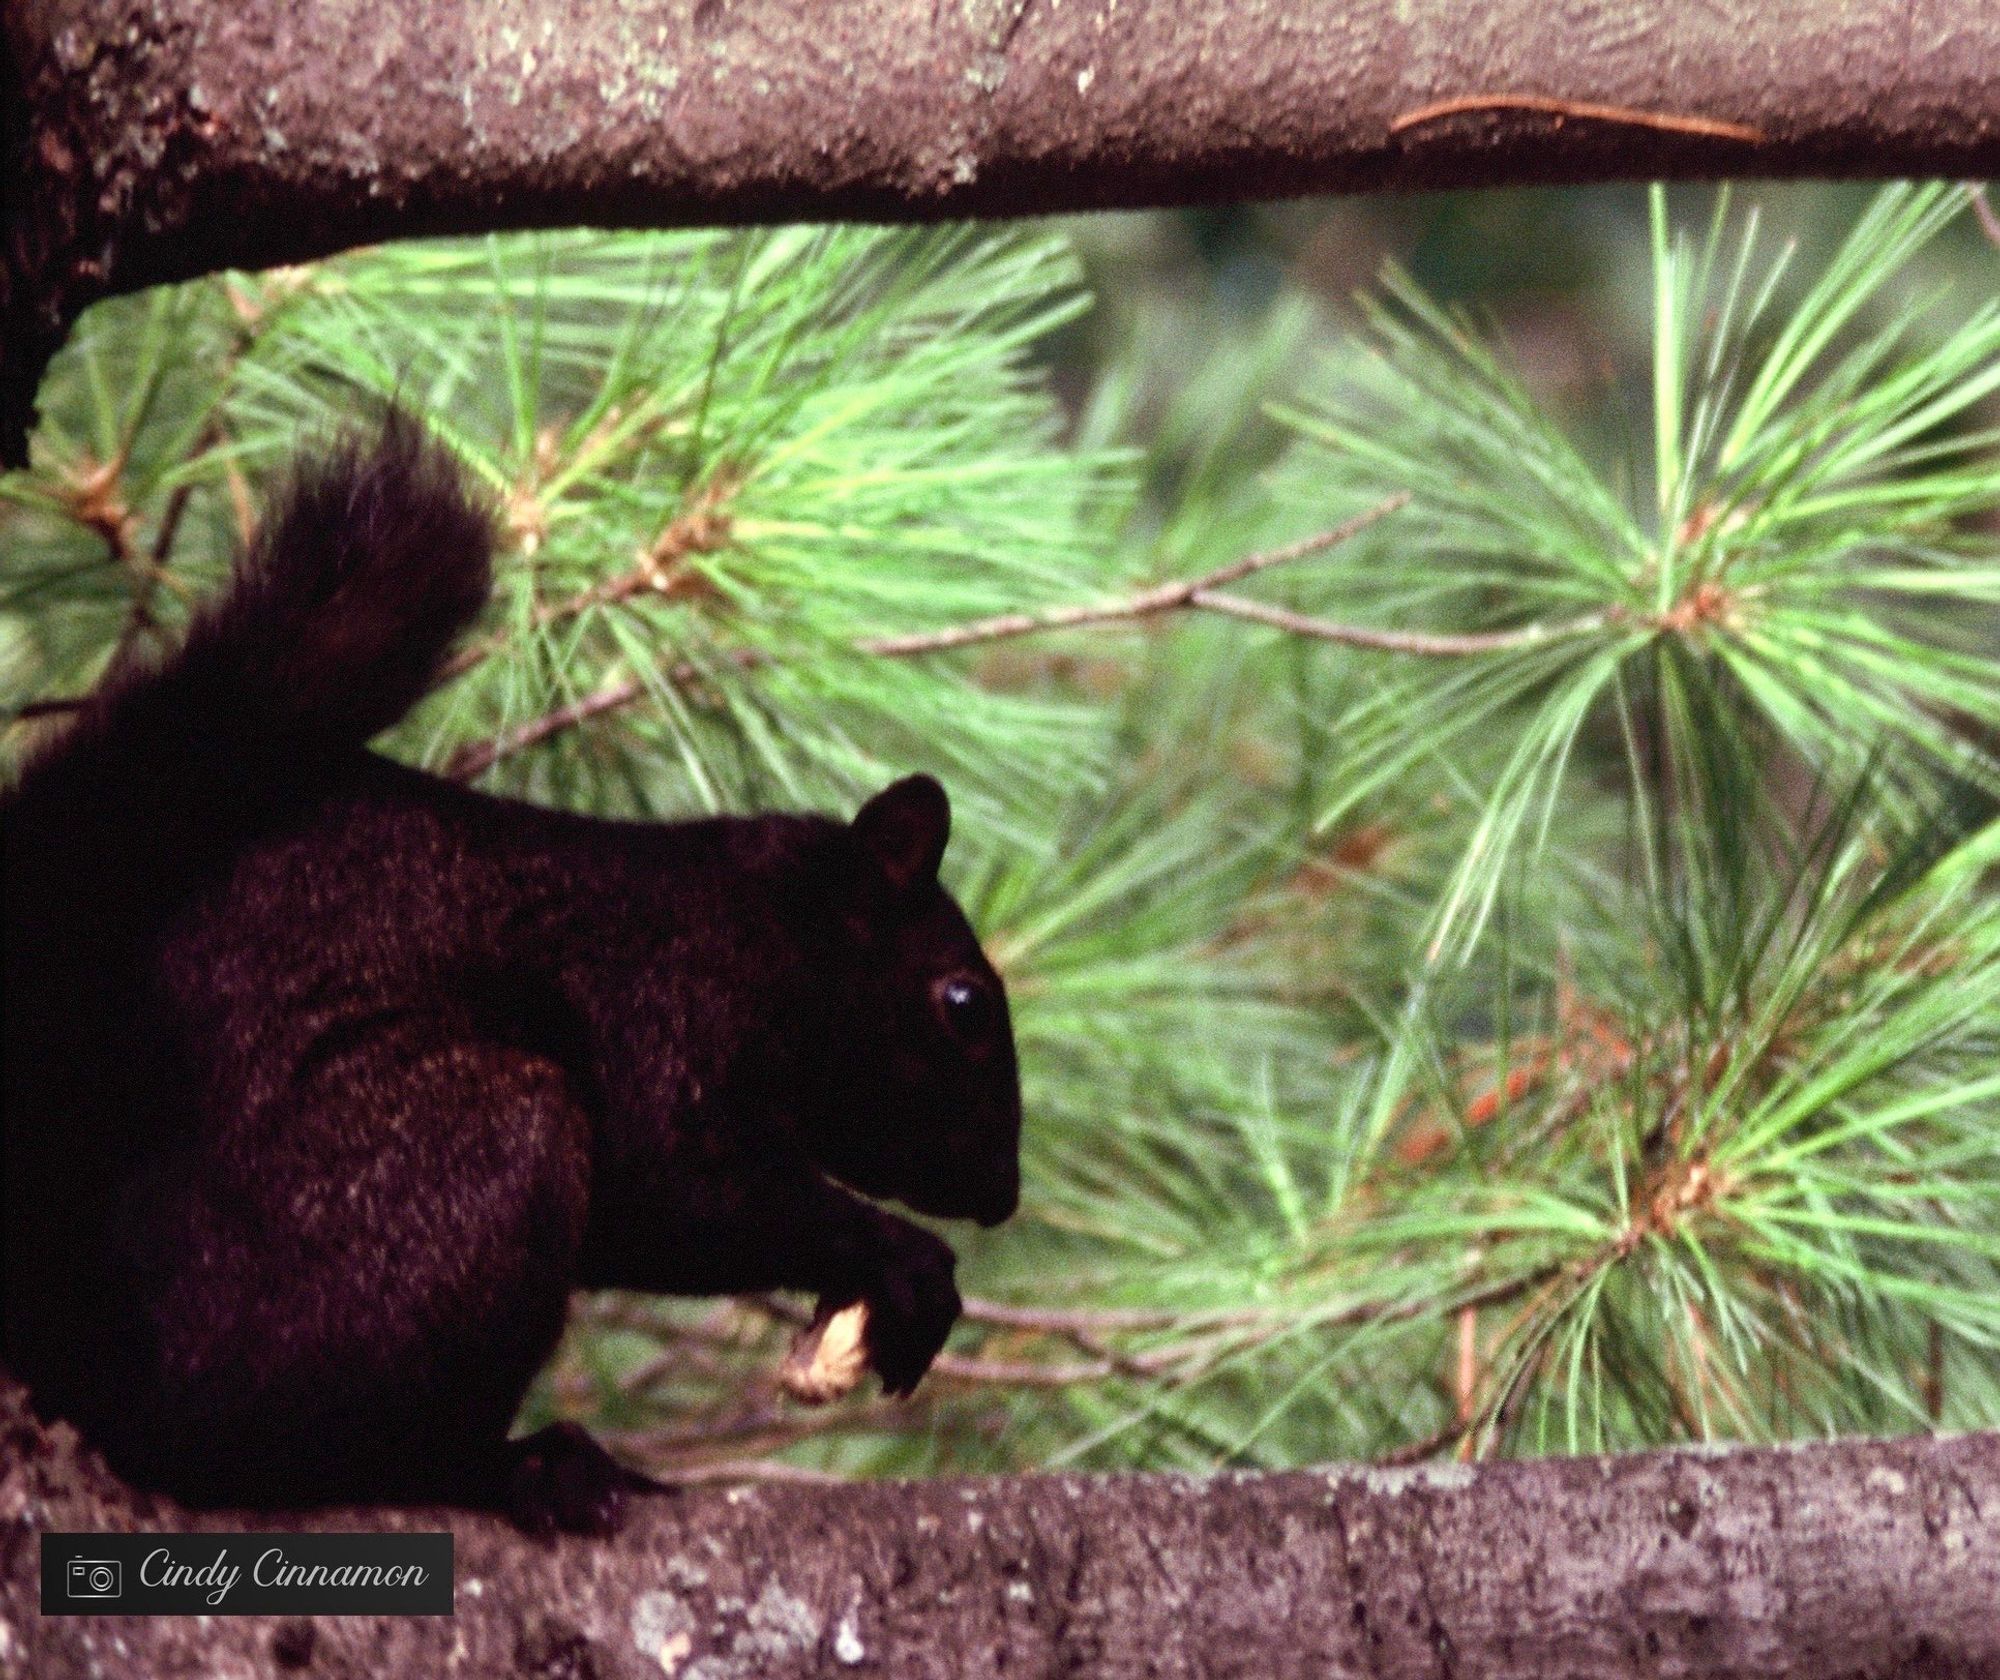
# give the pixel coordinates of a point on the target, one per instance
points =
(1982, 207)
(1425, 644)
(1203, 592)
(476, 758)
(156, 139)
(1863, 1558)
(1146, 603)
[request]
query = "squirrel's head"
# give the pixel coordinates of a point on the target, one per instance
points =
(926, 1104)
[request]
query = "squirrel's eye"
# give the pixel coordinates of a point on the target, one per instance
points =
(966, 1006)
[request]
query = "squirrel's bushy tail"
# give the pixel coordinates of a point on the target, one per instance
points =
(367, 566)
(365, 570)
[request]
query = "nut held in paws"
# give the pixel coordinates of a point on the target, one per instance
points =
(829, 1357)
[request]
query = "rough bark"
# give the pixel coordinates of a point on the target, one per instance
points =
(1858, 1559)
(153, 139)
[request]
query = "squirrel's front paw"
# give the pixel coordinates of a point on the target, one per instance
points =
(912, 1306)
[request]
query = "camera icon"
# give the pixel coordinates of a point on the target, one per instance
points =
(95, 1578)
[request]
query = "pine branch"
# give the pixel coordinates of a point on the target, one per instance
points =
(1147, 603)
(1422, 644)
(702, 527)
(476, 758)
(151, 574)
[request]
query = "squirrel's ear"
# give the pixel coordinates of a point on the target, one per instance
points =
(904, 828)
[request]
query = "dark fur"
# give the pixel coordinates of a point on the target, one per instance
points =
(326, 1081)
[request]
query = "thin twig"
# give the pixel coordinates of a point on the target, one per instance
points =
(1099, 1320)
(55, 706)
(1668, 122)
(176, 508)
(1422, 643)
(1020, 1373)
(1982, 207)
(1464, 1430)
(690, 1355)
(140, 619)
(1165, 597)
(148, 576)
(1415, 1452)
(477, 759)
(775, 1307)
(1466, 1377)
(701, 528)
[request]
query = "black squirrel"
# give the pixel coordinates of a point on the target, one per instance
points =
(326, 1081)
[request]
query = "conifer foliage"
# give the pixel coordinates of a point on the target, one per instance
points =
(1500, 917)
